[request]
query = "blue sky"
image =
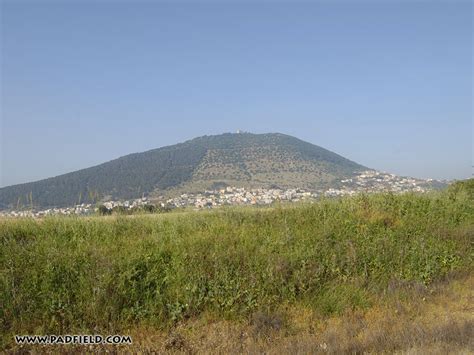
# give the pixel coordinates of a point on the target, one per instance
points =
(386, 84)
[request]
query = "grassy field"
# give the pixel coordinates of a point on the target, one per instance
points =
(365, 273)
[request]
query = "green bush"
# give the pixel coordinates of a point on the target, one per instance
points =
(103, 211)
(77, 274)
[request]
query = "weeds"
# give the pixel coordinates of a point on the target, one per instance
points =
(66, 274)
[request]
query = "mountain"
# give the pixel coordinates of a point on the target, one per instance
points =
(241, 159)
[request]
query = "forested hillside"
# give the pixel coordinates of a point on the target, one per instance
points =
(246, 159)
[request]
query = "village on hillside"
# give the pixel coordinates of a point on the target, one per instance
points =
(369, 181)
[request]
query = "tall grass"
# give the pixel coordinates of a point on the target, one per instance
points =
(72, 274)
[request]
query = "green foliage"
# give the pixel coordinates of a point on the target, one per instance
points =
(71, 274)
(121, 210)
(462, 187)
(103, 211)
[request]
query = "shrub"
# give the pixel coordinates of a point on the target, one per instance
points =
(72, 274)
(103, 211)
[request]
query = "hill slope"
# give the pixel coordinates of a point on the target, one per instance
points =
(254, 160)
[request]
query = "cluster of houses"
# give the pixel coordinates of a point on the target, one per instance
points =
(368, 182)
(139, 202)
(375, 181)
(238, 196)
(81, 209)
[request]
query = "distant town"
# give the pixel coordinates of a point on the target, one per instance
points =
(369, 181)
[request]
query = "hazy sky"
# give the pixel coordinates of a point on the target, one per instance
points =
(388, 85)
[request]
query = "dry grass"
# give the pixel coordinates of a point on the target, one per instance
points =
(411, 319)
(407, 320)
(366, 274)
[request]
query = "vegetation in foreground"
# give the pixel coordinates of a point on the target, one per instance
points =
(243, 266)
